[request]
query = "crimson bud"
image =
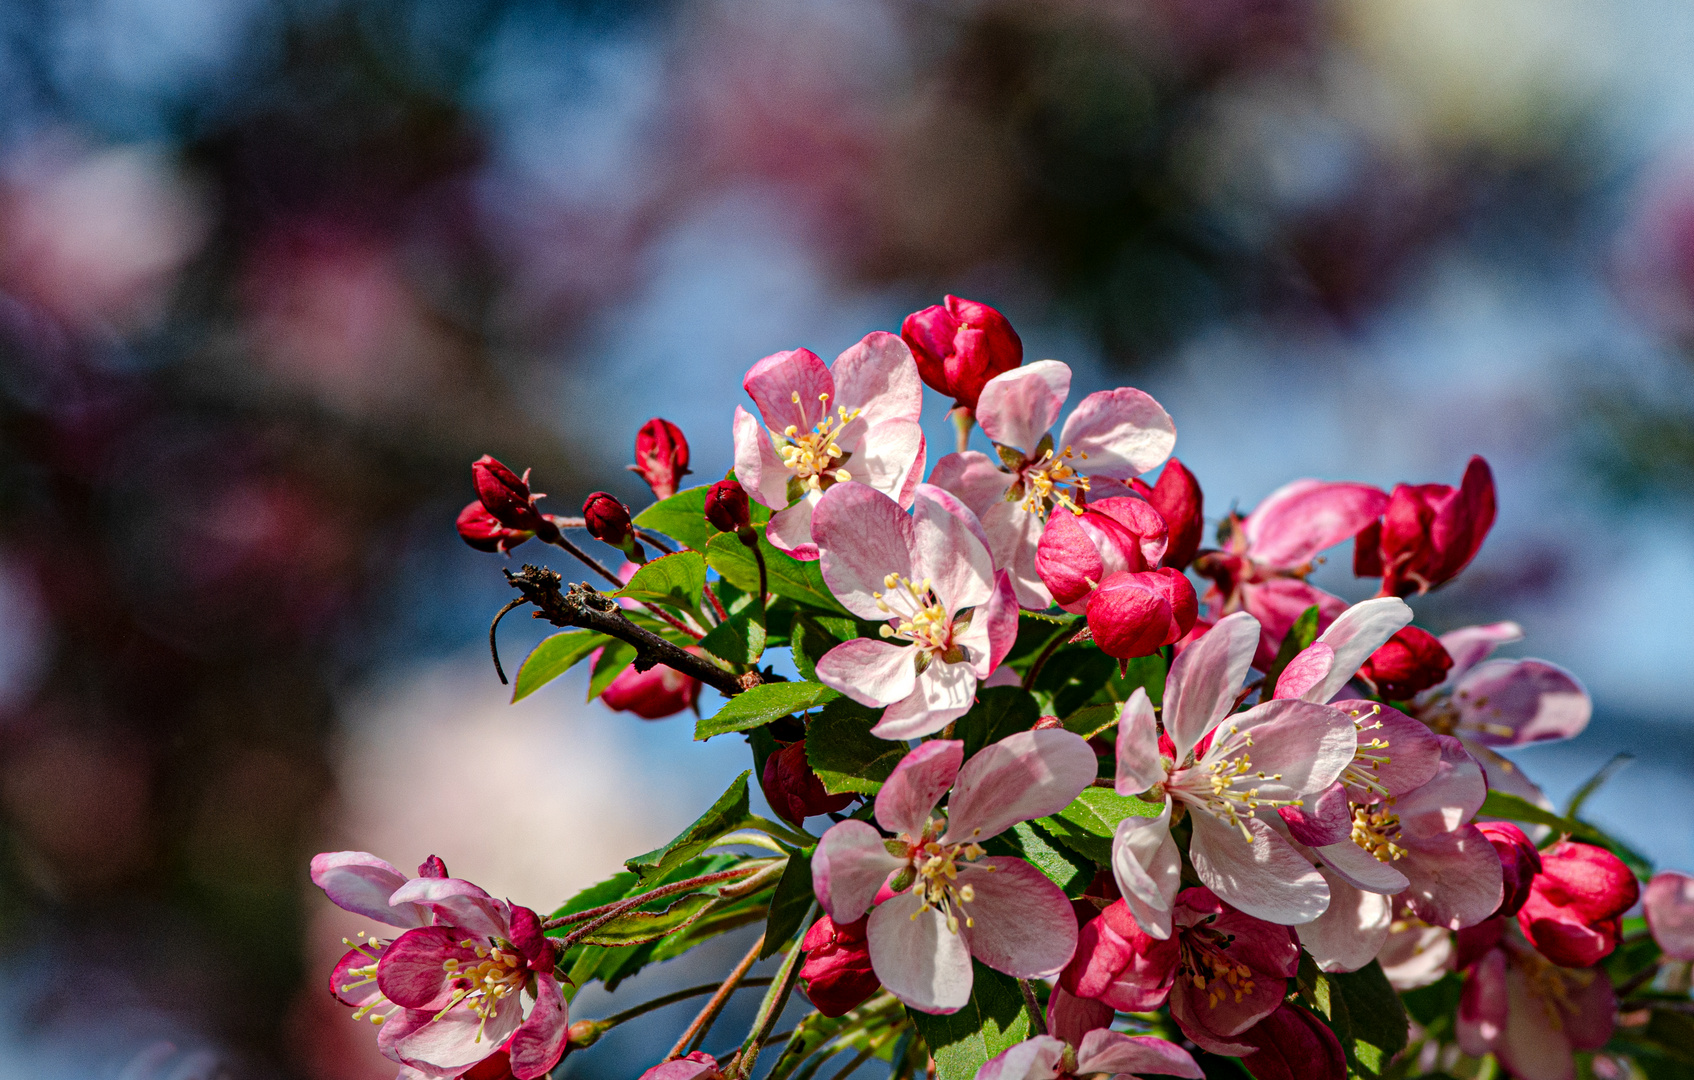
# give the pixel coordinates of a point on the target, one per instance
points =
(478, 528)
(794, 790)
(1178, 500)
(661, 456)
(727, 508)
(837, 971)
(607, 520)
(433, 867)
(1410, 661)
(506, 495)
(1428, 534)
(1519, 863)
(1134, 614)
(959, 345)
(1292, 1044)
(1576, 904)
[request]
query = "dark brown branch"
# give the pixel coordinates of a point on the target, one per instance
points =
(493, 648)
(584, 607)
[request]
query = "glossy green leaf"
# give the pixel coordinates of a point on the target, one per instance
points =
(785, 575)
(843, 752)
(676, 580)
(999, 711)
(1030, 842)
(739, 639)
(1088, 824)
(726, 815)
(1299, 636)
(762, 704)
(789, 904)
(1091, 720)
(636, 927)
(554, 656)
(616, 656)
(994, 1019)
(1378, 1018)
(682, 517)
(809, 640)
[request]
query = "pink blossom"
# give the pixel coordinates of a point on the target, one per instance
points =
(951, 901)
(1576, 903)
(1109, 439)
(661, 456)
(1263, 568)
(1428, 533)
(1669, 903)
(1223, 771)
(653, 694)
(820, 426)
(1416, 954)
(1178, 499)
(949, 617)
(1100, 1053)
(1292, 1044)
(698, 1065)
(1529, 1012)
(959, 345)
(359, 882)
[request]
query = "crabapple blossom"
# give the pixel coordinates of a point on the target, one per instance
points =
(948, 618)
(1178, 499)
(1292, 1044)
(819, 426)
(359, 882)
(1410, 661)
(1428, 533)
(959, 345)
(1669, 904)
(949, 900)
(1222, 771)
(481, 530)
(1416, 954)
(1576, 903)
(507, 497)
(661, 456)
(1529, 1012)
(1519, 863)
(1110, 438)
(1077, 551)
(697, 1065)
(1100, 1052)
(837, 973)
(653, 694)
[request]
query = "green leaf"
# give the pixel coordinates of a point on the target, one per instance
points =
(999, 711)
(842, 751)
(676, 580)
(1500, 804)
(726, 815)
(636, 927)
(682, 517)
(994, 1019)
(739, 639)
(789, 904)
(762, 704)
(1029, 842)
(785, 575)
(1088, 824)
(1144, 672)
(1378, 1018)
(1438, 999)
(1074, 676)
(555, 655)
(1091, 720)
(1299, 636)
(616, 656)
(809, 640)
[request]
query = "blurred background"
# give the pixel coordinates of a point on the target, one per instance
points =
(272, 274)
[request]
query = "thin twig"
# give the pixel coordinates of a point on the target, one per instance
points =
(617, 583)
(494, 649)
(1636, 981)
(655, 539)
(1037, 1021)
(723, 616)
(599, 916)
(702, 1024)
(771, 1007)
(680, 995)
(1041, 659)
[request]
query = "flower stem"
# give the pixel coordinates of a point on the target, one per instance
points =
(703, 1023)
(1037, 1021)
(963, 420)
(606, 912)
(597, 1028)
(775, 998)
(1046, 654)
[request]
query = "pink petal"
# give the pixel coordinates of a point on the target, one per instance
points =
(1471, 645)
(688, 1067)
(1322, 819)
(1669, 903)
(1532, 1047)
(1277, 603)
(1481, 1019)
(790, 530)
(395, 1029)
(1306, 745)
(459, 1038)
(918, 959)
(775, 383)
(1362, 870)
(1413, 751)
(974, 477)
(1592, 1012)
(1020, 922)
(1449, 799)
(1068, 560)
(1019, 406)
(1517, 702)
(849, 868)
(1415, 955)
(863, 537)
(1114, 1052)
(1148, 870)
(1300, 519)
(1351, 931)
(950, 550)
(757, 465)
(873, 673)
(1035, 1058)
(351, 989)
(1139, 764)
(943, 693)
(878, 377)
(1028, 774)
(890, 459)
(1266, 878)
(539, 1042)
(1013, 536)
(362, 883)
(1071, 1018)
(1000, 618)
(1354, 635)
(1453, 878)
(1120, 433)
(456, 902)
(913, 789)
(412, 972)
(1204, 681)
(1309, 668)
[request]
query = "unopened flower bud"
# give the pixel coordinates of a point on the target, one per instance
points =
(1178, 499)
(727, 508)
(607, 521)
(433, 867)
(661, 456)
(959, 345)
(1411, 661)
(1292, 1044)
(1134, 614)
(837, 971)
(653, 694)
(794, 790)
(1576, 904)
(1428, 533)
(478, 528)
(1519, 863)
(507, 497)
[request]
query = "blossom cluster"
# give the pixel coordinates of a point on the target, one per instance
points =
(1151, 800)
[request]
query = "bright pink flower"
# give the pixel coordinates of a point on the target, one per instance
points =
(478, 528)
(821, 426)
(661, 456)
(1270, 552)
(1178, 499)
(1519, 863)
(838, 972)
(460, 984)
(1416, 955)
(1428, 533)
(794, 790)
(1223, 771)
(698, 1065)
(1530, 1013)
(1292, 1044)
(653, 694)
(951, 900)
(1109, 439)
(959, 345)
(507, 497)
(1077, 551)
(949, 618)
(1575, 909)
(1135, 614)
(1669, 901)
(1411, 661)
(1100, 1053)
(726, 506)
(359, 882)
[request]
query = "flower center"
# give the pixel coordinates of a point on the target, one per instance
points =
(1226, 787)
(935, 872)
(1375, 828)
(1368, 760)
(498, 974)
(922, 619)
(1202, 962)
(814, 457)
(1046, 479)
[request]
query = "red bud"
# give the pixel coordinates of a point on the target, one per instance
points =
(959, 345)
(727, 508)
(1410, 661)
(1519, 863)
(433, 867)
(607, 520)
(1292, 1044)
(1430, 532)
(1178, 500)
(653, 694)
(478, 528)
(1576, 904)
(1133, 614)
(661, 456)
(794, 790)
(837, 971)
(507, 497)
